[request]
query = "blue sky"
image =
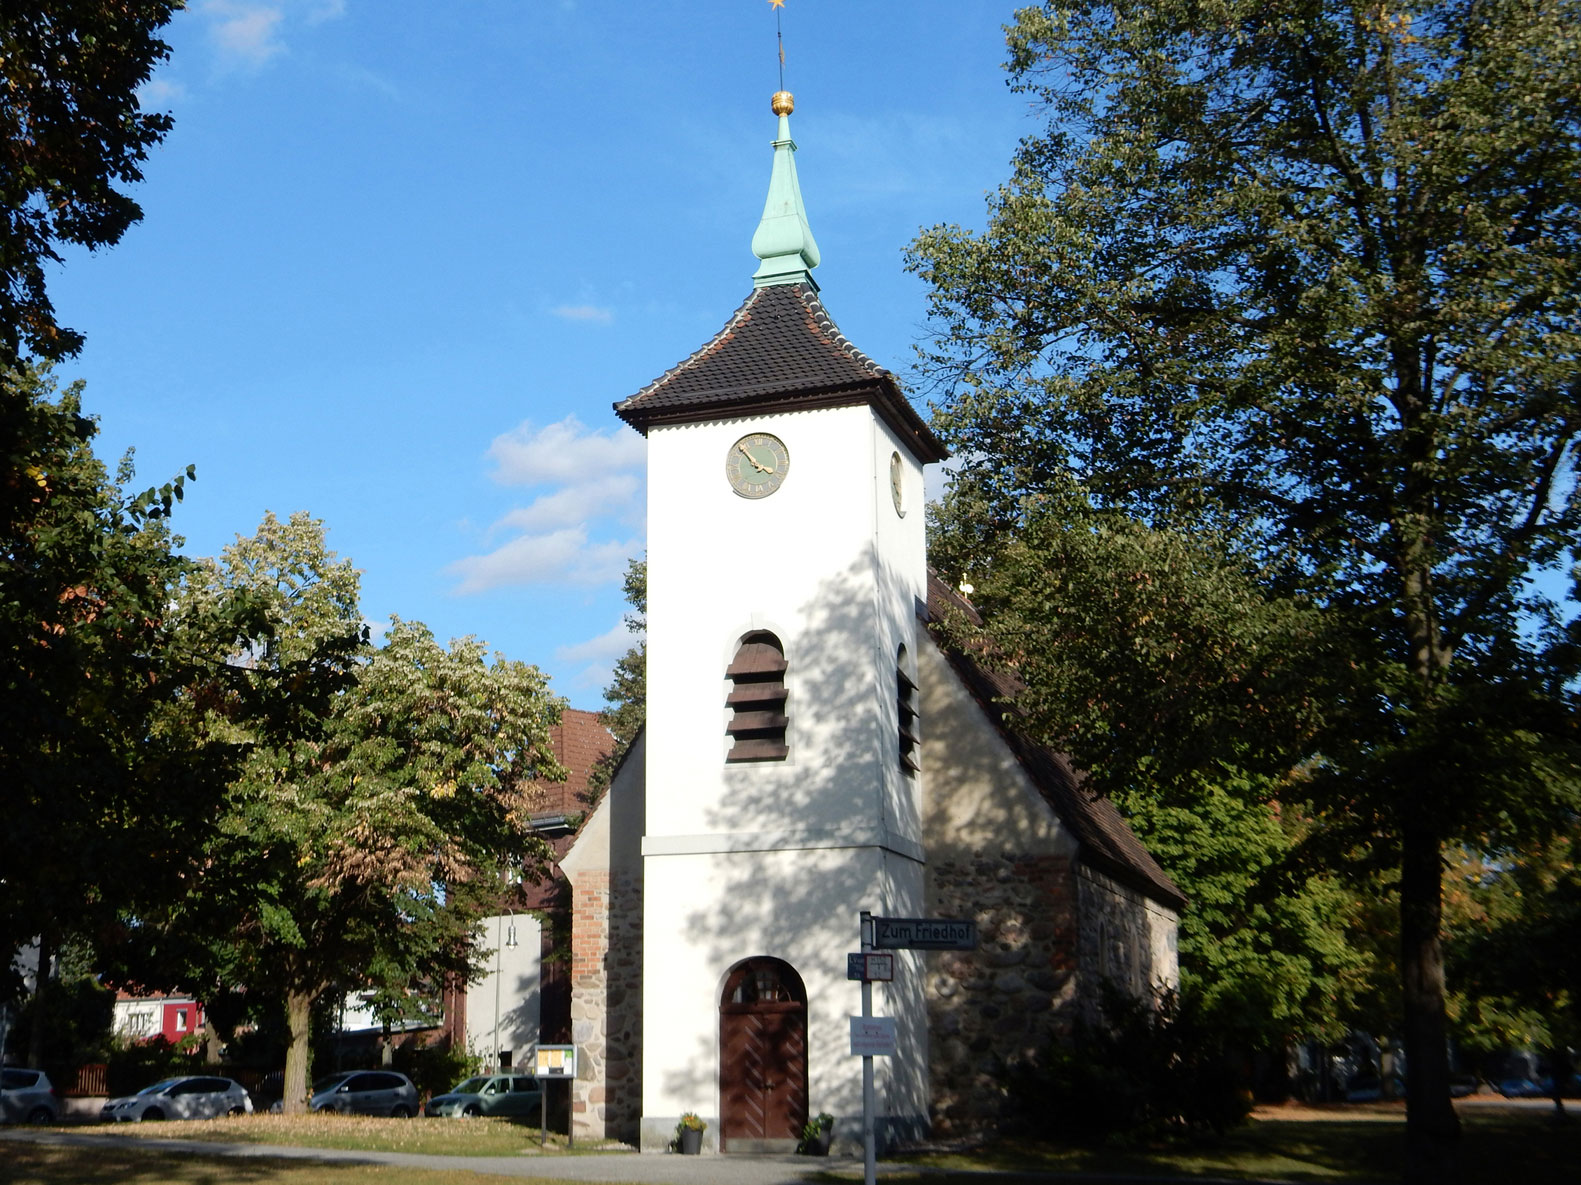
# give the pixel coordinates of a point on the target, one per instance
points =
(397, 260)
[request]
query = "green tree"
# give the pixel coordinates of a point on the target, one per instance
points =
(104, 791)
(1306, 272)
(1161, 665)
(386, 795)
(627, 693)
(71, 132)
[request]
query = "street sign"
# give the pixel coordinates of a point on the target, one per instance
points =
(872, 1036)
(924, 934)
(556, 1061)
(870, 967)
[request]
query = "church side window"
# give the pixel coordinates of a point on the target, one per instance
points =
(757, 700)
(906, 695)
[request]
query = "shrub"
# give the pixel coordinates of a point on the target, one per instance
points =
(1145, 1071)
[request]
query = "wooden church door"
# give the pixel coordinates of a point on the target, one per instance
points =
(763, 1056)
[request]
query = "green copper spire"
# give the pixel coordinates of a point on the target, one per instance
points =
(783, 240)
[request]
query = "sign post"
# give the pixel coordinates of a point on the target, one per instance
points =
(555, 1061)
(869, 1142)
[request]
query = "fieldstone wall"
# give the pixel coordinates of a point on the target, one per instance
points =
(1011, 996)
(1123, 937)
(606, 1005)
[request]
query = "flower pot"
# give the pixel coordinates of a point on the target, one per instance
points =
(691, 1141)
(819, 1145)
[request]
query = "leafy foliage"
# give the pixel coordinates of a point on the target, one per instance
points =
(627, 694)
(1304, 276)
(108, 788)
(71, 131)
(385, 796)
(1150, 1069)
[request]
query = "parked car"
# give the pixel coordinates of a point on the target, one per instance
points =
(1519, 1088)
(192, 1096)
(1368, 1088)
(489, 1094)
(1461, 1085)
(365, 1092)
(27, 1096)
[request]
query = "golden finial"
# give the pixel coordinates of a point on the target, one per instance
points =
(783, 103)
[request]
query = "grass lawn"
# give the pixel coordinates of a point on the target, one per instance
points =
(1347, 1146)
(431, 1137)
(37, 1164)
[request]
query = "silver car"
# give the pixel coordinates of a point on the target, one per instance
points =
(490, 1094)
(365, 1092)
(192, 1096)
(26, 1096)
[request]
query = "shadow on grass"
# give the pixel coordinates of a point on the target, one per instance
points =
(1526, 1147)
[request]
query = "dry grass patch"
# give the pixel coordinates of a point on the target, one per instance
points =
(429, 1137)
(40, 1164)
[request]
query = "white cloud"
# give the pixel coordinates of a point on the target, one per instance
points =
(584, 312)
(559, 557)
(576, 530)
(251, 32)
(564, 452)
(159, 92)
(598, 656)
(244, 31)
(575, 504)
(605, 648)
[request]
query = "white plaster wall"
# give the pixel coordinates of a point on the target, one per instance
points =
(978, 796)
(705, 915)
(518, 981)
(778, 858)
(802, 564)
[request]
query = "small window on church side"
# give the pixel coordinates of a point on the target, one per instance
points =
(906, 694)
(757, 700)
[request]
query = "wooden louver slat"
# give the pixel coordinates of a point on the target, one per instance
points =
(758, 722)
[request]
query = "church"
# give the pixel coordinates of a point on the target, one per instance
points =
(813, 750)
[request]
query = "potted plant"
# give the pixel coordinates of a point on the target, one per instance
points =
(816, 1135)
(689, 1133)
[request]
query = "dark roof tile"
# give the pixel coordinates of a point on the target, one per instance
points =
(779, 351)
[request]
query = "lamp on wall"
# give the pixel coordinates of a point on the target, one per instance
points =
(509, 941)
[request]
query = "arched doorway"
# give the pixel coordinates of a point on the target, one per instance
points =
(763, 1057)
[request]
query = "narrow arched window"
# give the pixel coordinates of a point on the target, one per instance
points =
(906, 705)
(757, 700)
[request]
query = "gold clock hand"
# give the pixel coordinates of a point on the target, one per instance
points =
(756, 464)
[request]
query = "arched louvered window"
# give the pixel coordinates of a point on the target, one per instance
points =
(757, 700)
(906, 703)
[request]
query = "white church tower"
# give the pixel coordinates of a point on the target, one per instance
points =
(786, 574)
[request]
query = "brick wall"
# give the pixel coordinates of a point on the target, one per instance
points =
(606, 1005)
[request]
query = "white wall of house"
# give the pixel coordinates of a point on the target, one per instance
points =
(503, 1007)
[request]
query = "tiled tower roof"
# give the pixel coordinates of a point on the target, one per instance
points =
(780, 351)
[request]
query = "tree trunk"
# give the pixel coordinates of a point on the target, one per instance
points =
(39, 1023)
(299, 1019)
(1432, 1127)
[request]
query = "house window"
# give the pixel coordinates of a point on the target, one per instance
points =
(140, 1023)
(906, 705)
(757, 700)
(181, 1020)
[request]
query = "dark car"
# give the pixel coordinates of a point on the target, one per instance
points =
(26, 1096)
(365, 1092)
(490, 1094)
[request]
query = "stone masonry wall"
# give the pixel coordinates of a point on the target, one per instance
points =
(606, 1005)
(1011, 996)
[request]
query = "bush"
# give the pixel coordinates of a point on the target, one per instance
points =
(1144, 1072)
(434, 1069)
(133, 1065)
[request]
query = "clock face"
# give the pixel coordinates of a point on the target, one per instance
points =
(897, 485)
(756, 465)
